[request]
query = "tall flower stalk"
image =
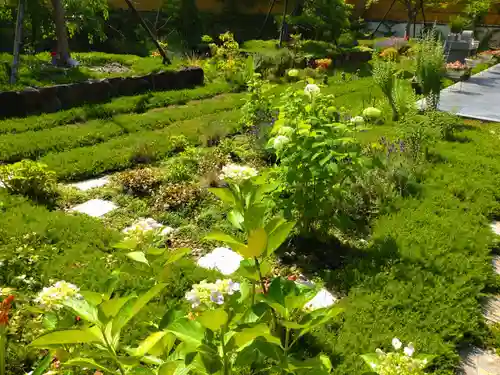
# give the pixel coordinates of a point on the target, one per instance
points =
(5, 307)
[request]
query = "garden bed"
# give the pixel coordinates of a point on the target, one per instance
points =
(54, 98)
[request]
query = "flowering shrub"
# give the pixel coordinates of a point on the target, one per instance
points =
(53, 297)
(237, 173)
(323, 64)
(398, 363)
(316, 154)
(221, 259)
(456, 66)
(258, 107)
(208, 295)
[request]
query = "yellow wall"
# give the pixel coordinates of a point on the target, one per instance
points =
(398, 13)
(214, 6)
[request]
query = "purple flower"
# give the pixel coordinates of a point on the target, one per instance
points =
(217, 297)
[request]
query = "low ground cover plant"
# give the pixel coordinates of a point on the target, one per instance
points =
(366, 206)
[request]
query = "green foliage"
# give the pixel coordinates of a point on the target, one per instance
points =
(316, 152)
(458, 24)
(176, 196)
(31, 179)
(429, 68)
(258, 107)
(324, 19)
(36, 70)
(139, 182)
(384, 75)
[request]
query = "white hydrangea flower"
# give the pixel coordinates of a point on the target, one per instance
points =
(280, 141)
(167, 231)
(322, 300)
(52, 297)
(143, 225)
(396, 343)
(237, 173)
(210, 294)
(312, 90)
(358, 120)
(222, 259)
(409, 350)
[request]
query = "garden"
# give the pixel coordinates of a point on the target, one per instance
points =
(297, 213)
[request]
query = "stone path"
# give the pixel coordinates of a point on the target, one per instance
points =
(91, 184)
(476, 361)
(95, 207)
(478, 98)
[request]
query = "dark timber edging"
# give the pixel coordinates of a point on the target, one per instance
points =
(54, 98)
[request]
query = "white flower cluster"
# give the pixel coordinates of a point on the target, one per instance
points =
(51, 297)
(322, 300)
(237, 173)
(211, 294)
(222, 259)
(312, 90)
(358, 120)
(397, 363)
(143, 225)
(280, 141)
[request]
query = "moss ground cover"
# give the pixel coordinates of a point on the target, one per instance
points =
(422, 277)
(34, 144)
(144, 147)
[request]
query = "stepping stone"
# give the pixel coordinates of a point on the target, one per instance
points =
(95, 207)
(491, 310)
(496, 264)
(91, 184)
(477, 361)
(495, 227)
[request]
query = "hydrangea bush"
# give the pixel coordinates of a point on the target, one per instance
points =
(399, 362)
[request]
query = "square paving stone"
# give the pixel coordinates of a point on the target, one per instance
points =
(91, 184)
(95, 207)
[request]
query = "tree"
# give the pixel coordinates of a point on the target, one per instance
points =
(61, 31)
(78, 17)
(322, 19)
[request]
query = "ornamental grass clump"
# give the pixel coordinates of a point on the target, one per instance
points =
(384, 75)
(429, 68)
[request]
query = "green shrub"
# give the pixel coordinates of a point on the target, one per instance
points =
(139, 182)
(172, 197)
(31, 179)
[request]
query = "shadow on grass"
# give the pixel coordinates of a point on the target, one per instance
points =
(342, 266)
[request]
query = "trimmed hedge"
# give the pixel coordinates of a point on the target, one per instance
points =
(129, 104)
(144, 147)
(33, 144)
(54, 98)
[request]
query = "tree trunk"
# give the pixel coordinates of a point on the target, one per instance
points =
(61, 32)
(283, 24)
(17, 41)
